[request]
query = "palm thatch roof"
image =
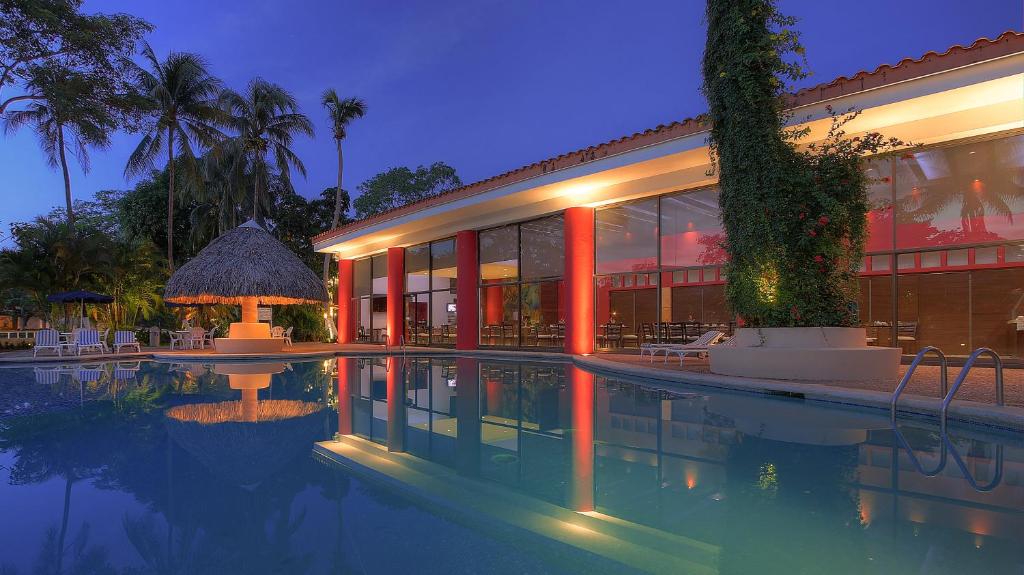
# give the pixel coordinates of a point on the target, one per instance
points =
(245, 262)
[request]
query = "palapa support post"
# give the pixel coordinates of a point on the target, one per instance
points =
(250, 310)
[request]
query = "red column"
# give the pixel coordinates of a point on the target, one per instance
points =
(396, 288)
(348, 379)
(346, 317)
(581, 486)
(579, 280)
(467, 313)
(396, 402)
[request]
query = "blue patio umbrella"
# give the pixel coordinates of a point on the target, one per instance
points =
(81, 296)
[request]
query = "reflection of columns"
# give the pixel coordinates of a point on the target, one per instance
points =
(346, 315)
(467, 413)
(581, 485)
(249, 310)
(579, 280)
(396, 401)
(250, 404)
(348, 379)
(396, 287)
(467, 314)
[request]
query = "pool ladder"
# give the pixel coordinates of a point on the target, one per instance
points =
(949, 392)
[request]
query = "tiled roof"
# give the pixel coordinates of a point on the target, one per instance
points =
(1007, 43)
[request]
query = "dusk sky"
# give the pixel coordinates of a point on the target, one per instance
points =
(483, 85)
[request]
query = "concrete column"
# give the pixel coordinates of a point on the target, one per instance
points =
(581, 484)
(396, 288)
(579, 280)
(346, 315)
(250, 313)
(467, 318)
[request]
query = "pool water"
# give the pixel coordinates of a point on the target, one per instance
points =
(199, 468)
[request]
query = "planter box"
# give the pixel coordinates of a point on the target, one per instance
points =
(805, 353)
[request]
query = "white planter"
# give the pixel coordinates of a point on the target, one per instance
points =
(805, 353)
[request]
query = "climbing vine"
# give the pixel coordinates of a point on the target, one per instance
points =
(794, 214)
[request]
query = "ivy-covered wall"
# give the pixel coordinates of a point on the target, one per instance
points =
(794, 215)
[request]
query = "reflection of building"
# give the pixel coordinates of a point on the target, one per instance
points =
(621, 243)
(739, 473)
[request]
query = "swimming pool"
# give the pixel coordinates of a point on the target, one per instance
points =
(483, 466)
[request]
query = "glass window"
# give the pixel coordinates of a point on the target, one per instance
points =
(997, 304)
(627, 237)
(691, 229)
(443, 264)
(968, 193)
(442, 317)
(879, 172)
(543, 314)
(380, 274)
(361, 279)
(543, 248)
(499, 315)
(499, 254)
(417, 268)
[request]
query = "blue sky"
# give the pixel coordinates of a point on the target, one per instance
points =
(483, 85)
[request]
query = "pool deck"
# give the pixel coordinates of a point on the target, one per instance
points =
(974, 405)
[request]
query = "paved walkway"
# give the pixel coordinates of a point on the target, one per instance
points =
(979, 386)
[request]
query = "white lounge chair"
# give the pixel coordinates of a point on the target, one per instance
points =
(126, 339)
(288, 335)
(87, 340)
(103, 339)
(47, 339)
(699, 346)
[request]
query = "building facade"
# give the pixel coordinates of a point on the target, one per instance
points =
(620, 244)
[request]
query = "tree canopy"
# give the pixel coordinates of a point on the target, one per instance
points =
(400, 186)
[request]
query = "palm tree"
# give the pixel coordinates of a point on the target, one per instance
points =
(68, 117)
(265, 119)
(179, 96)
(341, 113)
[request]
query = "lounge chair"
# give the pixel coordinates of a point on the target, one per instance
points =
(699, 346)
(125, 339)
(47, 339)
(88, 339)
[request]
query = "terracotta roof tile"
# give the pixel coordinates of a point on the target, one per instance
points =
(1007, 43)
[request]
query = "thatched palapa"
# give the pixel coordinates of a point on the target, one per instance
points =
(245, 263)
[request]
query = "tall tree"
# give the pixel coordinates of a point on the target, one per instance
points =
(45, 39)
(341, 113)
(70, 115)
(397, 187)
(179, 97)
(265, 119)
(794, 215)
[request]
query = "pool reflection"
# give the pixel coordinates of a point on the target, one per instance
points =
(777, 484)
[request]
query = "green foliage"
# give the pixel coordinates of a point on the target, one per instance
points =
(297, 220)
(141, 213)
(307, 319)
(43, 41)
(265, 119)
(794, 217)
(178, 100)
(400, 186)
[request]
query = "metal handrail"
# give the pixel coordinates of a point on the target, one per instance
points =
(963, 376)
(910, 372)
(996, 479)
